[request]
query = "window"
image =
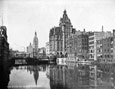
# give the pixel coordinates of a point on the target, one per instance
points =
(105, 56)
(108, 56)
(105, 50)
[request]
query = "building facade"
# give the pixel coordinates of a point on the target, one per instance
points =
(55, 40)
(105, 50)
(93, 37)
(47, 49)
(77, 45)
(42, 52)
(4, 45)
(58, 35)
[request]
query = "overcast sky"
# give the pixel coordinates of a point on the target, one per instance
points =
(24, 17)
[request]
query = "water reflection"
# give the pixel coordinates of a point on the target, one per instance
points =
(31, 76)
(67, 76)
(72, 76)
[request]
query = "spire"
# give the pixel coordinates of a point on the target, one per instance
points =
(36, 75)
(84, 29)
(65, 11)
(64, 14)
(35, 33)
(102, 28)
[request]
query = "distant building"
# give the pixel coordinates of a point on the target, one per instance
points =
(58, 35)
(35, 45)
(32, 49)
(42, 52)
(47, 49)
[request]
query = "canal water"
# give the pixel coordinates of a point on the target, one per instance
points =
(67, 76)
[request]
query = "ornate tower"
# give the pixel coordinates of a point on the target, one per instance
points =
(66, 27)
(35, 45)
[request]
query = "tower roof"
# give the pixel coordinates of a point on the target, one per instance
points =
(64, 11)
(35, 33)
(65, 19)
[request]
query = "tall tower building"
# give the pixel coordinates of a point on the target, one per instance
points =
(35, 45)
(58, 35)
(67, 29)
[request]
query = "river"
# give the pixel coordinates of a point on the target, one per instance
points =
(69, 76)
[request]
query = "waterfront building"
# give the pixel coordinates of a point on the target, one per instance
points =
(105, 50)
(4, 57)
(58, 35)
(93, 37)
(55, 40)
(4, 45)
(77, 46)
(42, 52)
(67, 29)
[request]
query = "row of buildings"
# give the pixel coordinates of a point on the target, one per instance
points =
(80, 45)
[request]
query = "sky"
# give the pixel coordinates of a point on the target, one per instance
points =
(23, 17)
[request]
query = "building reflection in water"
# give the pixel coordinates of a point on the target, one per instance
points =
(35, 70)
(69, 76)
(72, 76)
(30, 69)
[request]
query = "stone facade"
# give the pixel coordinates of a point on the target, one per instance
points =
(55, 40)
(58, 35)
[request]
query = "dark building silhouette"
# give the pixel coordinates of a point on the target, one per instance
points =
(4, 54)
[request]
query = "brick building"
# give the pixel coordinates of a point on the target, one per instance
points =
(105, 50)
(93, 37)
(78, 45)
